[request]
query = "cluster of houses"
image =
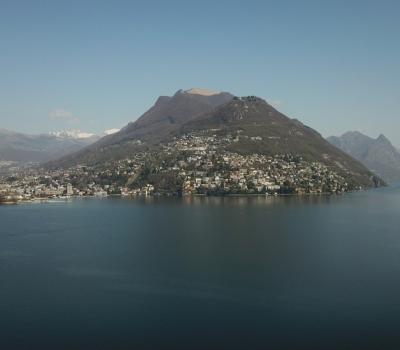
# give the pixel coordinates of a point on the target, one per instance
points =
(254, 173)
(262, 174)
(198, 160)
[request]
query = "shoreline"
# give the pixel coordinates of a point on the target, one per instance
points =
(65, 199)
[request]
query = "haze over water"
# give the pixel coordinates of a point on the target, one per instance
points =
(205, 272)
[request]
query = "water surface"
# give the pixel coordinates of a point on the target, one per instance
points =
(202, 272)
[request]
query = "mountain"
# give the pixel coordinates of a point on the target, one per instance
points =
(168, 113)
(77, 134)
(260, 128)
(159, 121)
(194, 121)
(378, 155)
(107, 132)
(70, 134)
(18, 147)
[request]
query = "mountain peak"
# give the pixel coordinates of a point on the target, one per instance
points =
(78, 134)
(199, 91)
(382, 137)
(107, 132)
(6, 132)
(70, 134)
(376, 154)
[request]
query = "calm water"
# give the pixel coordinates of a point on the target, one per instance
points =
(237, 272)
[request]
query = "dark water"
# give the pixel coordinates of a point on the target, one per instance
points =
(237, 272)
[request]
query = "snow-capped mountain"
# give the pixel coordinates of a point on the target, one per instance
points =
(78, 134)
(70, 134)
(108, 132)
(18, 147)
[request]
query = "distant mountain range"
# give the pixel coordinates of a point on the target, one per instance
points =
(378, 155)
(18, 147)
(256, 126)
(77, 134)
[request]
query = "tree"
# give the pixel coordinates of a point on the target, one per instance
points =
(296, 159)
(201, 190)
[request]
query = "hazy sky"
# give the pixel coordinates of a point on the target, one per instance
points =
(97, 65)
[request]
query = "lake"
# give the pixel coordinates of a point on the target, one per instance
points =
(202, 272)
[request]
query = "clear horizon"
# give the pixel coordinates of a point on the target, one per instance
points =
(96, 66)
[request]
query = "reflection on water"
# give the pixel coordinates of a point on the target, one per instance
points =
(233, 200)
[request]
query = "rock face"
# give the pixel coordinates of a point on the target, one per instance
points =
(378, 155)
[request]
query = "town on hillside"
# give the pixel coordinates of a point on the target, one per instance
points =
(193, 164)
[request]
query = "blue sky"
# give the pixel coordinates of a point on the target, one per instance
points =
(97, 65)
